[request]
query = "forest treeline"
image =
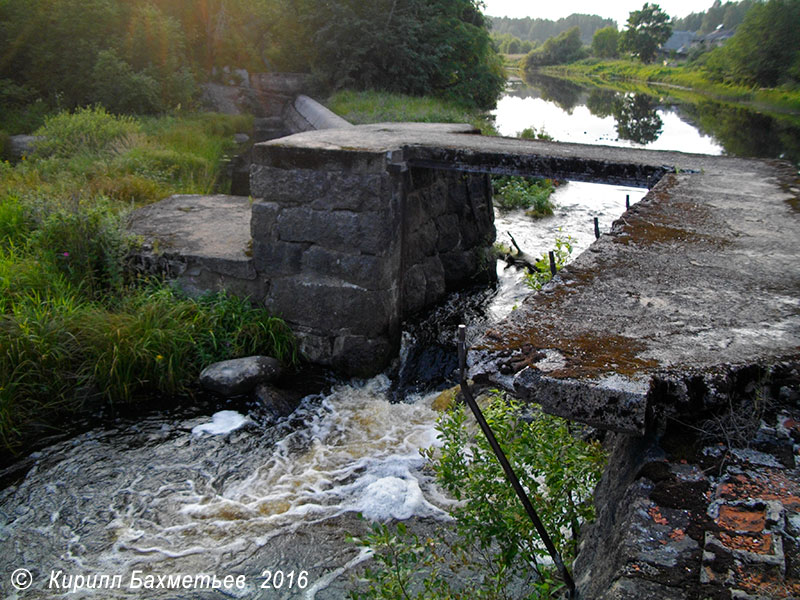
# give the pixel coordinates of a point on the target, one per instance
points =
(149, 55)
(729, 15)
(539, 30)
(763, 52)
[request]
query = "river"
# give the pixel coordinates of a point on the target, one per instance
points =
(270, 505)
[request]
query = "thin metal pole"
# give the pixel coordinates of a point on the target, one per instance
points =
(509, 471)
(553, 269)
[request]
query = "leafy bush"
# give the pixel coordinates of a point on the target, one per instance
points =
(536, 279)
(120, 89)
(86, 245)
(494, 552)
(87, 130)
(532, 194)
(530, 133)
(566, 47)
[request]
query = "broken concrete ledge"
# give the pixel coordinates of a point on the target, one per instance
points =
(695, 282)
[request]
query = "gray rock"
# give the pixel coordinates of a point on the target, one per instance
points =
(276, 404)
(23, 145)
(239, 375)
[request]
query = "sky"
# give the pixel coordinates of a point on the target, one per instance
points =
(616, 9)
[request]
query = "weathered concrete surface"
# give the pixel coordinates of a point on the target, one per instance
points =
(201, 241)
(306, 114)
(700, 275)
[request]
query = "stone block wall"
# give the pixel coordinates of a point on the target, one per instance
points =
(349, 242)
(449, 228)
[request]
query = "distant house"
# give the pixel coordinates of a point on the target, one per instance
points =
(679, 44)
(717, 37)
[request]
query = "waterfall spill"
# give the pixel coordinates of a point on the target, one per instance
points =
(229, 496)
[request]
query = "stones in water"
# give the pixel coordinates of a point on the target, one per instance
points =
(275, 403)
(239, 375)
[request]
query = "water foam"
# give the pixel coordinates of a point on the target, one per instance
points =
(222, 422)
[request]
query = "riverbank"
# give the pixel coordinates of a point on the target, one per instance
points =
(79, 330)
(679, 79)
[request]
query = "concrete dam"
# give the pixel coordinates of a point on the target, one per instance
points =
(688, 307)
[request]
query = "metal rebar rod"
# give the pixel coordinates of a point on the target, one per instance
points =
(509, 471)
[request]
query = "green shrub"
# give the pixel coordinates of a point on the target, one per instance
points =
(87, 130)
(494, 551)
(561, 253)
(85, 244)
(530, 133)
(532, 194)
(121, 90)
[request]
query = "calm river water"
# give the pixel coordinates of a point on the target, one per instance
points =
(271, 505)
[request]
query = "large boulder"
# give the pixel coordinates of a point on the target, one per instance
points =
(239, 375)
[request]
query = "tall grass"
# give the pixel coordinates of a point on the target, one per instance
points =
(377, 107)
(75, 331)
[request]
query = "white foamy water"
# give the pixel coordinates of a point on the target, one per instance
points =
(576, 206)
(221, 423)
(159, 497)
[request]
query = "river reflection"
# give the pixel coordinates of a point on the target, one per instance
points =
(571, 113)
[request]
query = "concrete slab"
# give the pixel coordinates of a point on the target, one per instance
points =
(202, 241)
(700, 277)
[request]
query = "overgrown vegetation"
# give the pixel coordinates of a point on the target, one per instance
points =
(564, 48)
(137, 56)
(75, 330)
(494, 552)
(533, 194)
(537, 277)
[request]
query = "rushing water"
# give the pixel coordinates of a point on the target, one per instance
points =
(190, 494)
(163, 496)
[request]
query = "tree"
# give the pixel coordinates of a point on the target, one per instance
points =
(564, 48)
(647, 30)
(605, 43)
(766, 48)
(418, 47)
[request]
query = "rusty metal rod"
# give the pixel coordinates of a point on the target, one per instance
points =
(509, 471)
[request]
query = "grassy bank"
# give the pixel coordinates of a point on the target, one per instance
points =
(377, 107)
(76, 330)
(692, 79)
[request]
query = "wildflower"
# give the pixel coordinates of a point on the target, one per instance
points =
(65, 254)
(159, 357)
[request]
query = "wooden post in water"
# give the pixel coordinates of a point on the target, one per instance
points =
(596, 228)
(552, 256)
(627, 201)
